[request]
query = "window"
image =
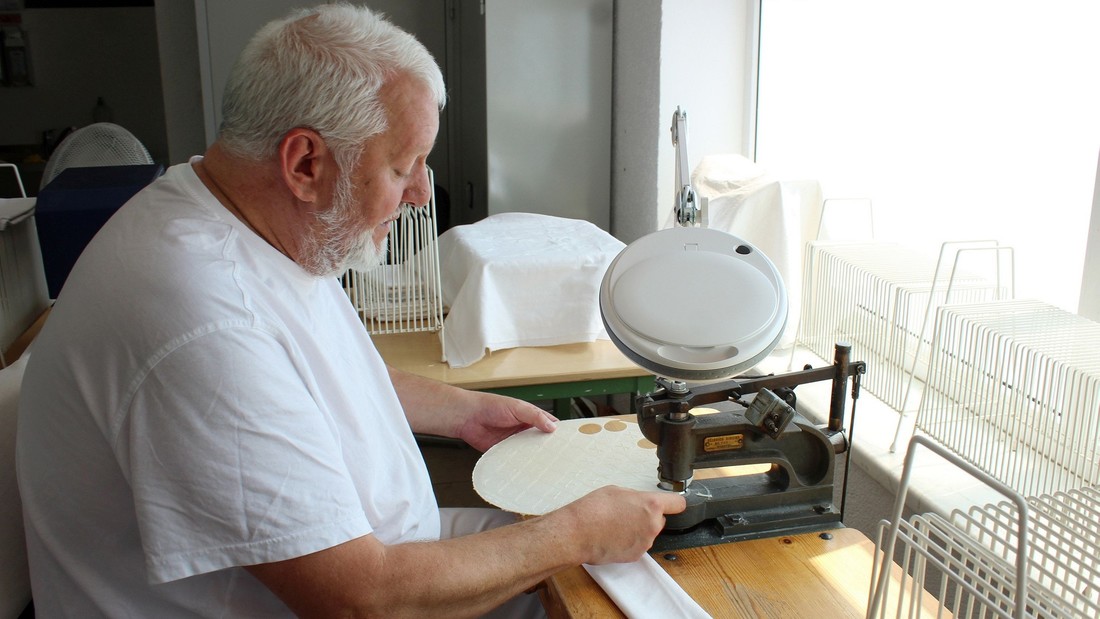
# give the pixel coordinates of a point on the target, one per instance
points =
(959, 119)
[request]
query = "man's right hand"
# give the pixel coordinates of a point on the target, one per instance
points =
(618, 525)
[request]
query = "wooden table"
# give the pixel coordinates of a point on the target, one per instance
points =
(802, 575)
(530, 373)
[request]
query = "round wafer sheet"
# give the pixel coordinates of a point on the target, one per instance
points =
(535, 472)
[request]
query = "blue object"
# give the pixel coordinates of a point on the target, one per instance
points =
(75, 205)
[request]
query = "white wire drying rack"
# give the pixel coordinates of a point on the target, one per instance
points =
(1014, 388)
(1018, 558)
(878, 296)
(404, 293)
(23, 294)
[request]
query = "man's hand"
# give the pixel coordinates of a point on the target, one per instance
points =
(497, 417)
(617, 525)
(481, 419)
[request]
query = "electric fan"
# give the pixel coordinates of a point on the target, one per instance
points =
(98, 144)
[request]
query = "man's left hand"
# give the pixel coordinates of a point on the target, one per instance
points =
(499, 417)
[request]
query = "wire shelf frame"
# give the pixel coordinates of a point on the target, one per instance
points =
(1014, 387)
(1019, 558)
(877, 296)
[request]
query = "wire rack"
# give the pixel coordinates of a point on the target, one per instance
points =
(878, 296)
(404, 294)
(1018, 558)
(1014, 387)
(23, 295)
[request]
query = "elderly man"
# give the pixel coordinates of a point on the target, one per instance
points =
(206, 428)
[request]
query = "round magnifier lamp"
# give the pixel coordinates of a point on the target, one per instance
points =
(693, 304)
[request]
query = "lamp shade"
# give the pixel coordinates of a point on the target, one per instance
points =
(693, 304)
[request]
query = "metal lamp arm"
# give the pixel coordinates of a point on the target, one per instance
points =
(687, 201)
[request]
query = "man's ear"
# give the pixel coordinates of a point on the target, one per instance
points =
(306, 163)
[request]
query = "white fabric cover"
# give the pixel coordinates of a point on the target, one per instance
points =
(15, 582)
(521, 279)
(644, 590)
(197, 402)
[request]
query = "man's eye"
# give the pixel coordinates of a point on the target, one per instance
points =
(408, 172)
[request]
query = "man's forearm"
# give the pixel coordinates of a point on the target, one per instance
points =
(431, 407)
(478, 573)
(460, 577)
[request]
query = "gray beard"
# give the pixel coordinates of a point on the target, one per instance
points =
(332, 249)
(364, 255)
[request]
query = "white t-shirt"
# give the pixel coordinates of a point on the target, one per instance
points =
(197, 402)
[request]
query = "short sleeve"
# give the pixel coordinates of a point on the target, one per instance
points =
(231, 460)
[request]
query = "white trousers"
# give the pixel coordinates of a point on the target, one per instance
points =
(459, 521)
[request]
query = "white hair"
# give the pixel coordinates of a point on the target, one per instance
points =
(320, 68)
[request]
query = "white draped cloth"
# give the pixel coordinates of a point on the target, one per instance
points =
(521, 279)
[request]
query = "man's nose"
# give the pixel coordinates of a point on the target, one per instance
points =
(420, 191)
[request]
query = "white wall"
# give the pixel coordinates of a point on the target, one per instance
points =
(706, 71)
(701, 51)
(548, 81)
